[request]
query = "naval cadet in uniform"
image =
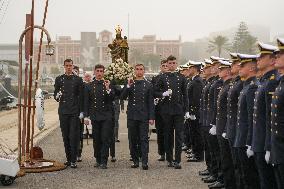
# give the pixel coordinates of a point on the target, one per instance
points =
(194, 89)
(140, 113)
(158, 119)
(277, 119)
(262, 116)
(232, 111)
(247, 72)
(174, 110)
(211, 122)
(221, 120)
(209, 77)
(68, 92)
(98, 106)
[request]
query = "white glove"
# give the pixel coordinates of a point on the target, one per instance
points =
(81, 116)
(167, 93)
(156, 101)
(186, 116)
(224, 135)
(267, 156)
(249, 152)
(212, 131)
(192, 117)
(58, 95)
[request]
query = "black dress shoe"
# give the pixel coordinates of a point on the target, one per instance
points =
(73, 165)
(206, 177)
(113, 159)
(103, 166)
(211, 184)
(189, 155)
(135, 165)
(67, 163)
(211, 179)
(170, 164)
(79, 159)
(97, 165)
(162, 158)
(177, 166)
(193, 159)
(217, 185)
(189, 151)
(204, 173)
(117, 140)
(145, 167)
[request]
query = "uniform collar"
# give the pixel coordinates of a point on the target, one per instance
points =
(227, 81)
(98, 81)
(267, 75)
(249, 80)
(238, 78)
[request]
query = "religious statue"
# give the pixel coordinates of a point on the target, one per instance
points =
(119, 47)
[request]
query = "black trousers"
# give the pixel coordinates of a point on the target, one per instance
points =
(139, 142)
(279, 174)
(102, 137)
(174, 127)
(208, 160)
(160, 133)
(237, 166)
(196, 138)
(187, 135)
(70, 130)
(227, 163)
(112, 145)
(81, 143)
(265, 172)
(249, 173)
(215, 157)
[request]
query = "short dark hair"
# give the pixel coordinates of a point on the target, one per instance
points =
(171, 57)
(163, 61)
(139, 65)
(76, 67)
(98, 66)
(68, 60)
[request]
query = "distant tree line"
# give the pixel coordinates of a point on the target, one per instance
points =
(243, 42)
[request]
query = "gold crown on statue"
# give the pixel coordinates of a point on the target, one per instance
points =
(118, 29)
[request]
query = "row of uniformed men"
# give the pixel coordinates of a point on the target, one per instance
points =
(240, 117)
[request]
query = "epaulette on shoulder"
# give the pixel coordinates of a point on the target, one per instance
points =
(272, 77)
(252, 83)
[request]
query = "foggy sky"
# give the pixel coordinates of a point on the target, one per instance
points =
(166, 18)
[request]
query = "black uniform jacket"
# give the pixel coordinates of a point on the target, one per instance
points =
(140, 100)
(71, 87)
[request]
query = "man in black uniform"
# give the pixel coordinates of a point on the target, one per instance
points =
(140, 113)
(214, 89)
(232, 110)
(245, 120)
(68, 92)
(158, 119)
(194, 88)
(277, 117)
(98, 105)
(221, 120)
(203, 118)
(262, 114)
(174, 109)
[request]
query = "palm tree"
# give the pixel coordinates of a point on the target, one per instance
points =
(218, 44)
